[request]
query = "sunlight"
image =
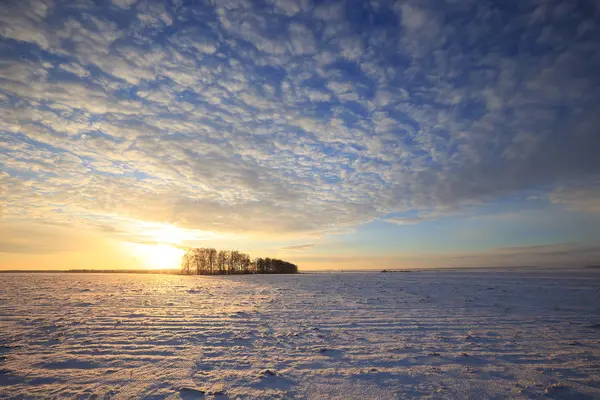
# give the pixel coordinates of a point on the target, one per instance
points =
(166, 233)
(155, 256)
(155, 245)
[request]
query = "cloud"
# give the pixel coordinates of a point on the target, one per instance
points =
(75, 69)
(404, 221)
(413, 18)
(284, 118)
(553, 255)
(25, 21)
(124, 3)
(584, 197)
(300, 247)
(558, 255)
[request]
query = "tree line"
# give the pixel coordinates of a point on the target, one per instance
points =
(205, 261)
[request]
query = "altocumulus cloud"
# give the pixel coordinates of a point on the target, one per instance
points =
(285, 116)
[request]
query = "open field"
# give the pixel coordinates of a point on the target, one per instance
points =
(433, 334)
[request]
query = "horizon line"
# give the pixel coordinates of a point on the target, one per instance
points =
(339, 270)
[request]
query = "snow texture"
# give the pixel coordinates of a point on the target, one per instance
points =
(429, 334)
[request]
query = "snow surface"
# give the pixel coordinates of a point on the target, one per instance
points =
(433, 334)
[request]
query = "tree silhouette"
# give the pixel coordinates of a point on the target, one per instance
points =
(212, 260)
(221, 258)
(208, 261)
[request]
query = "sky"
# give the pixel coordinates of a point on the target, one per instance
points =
(333, 134)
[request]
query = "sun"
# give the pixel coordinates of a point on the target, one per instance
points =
(155, 256)
(168, 234)
(154, 245)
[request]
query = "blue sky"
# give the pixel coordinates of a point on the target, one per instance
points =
(395, 133)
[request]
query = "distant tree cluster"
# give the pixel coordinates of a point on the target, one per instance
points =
(225, 262)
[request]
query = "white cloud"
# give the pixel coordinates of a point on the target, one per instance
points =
(422, 30)
(351, 48)
(413, 18)
(25, 22)
(76, 69)
(290, 7)
(124, 3)
(330, 10)
(302, 41)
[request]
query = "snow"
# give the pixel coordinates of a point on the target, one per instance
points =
(521, 334)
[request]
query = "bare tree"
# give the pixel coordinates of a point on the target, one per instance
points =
(233, 257)
(185, 263)
(205, 261)
(212, 260)
(222, 261)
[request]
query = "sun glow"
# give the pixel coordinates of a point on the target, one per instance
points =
(155, 256)
(166, 233)
(154, 245)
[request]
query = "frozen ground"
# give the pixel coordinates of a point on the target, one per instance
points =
(433, 334)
